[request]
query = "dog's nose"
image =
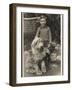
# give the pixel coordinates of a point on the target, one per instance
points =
(42, 47)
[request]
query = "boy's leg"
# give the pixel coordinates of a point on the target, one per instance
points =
(43, 67)
(39, 64)
(37, 68)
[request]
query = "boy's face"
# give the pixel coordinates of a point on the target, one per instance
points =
(43, 22)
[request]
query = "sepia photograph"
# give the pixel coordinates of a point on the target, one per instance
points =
(41, 44)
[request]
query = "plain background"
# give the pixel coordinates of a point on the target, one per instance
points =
(4, 45)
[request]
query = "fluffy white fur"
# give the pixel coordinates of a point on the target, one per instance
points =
(39, 55)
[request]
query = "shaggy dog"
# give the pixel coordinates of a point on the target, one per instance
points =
(40, 55)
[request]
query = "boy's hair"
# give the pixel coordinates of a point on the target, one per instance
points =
(43, 17)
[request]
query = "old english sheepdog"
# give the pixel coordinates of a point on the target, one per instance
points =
(40, 54)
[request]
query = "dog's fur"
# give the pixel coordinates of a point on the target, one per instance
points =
(39, 53)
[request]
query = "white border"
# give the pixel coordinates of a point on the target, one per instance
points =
(63, 77)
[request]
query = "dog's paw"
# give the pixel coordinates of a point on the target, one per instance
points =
(39, 73)
(32, 71)
(44, 71)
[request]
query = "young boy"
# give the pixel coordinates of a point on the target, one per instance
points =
(44, 32)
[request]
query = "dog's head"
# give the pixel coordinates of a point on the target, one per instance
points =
(37, 44)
